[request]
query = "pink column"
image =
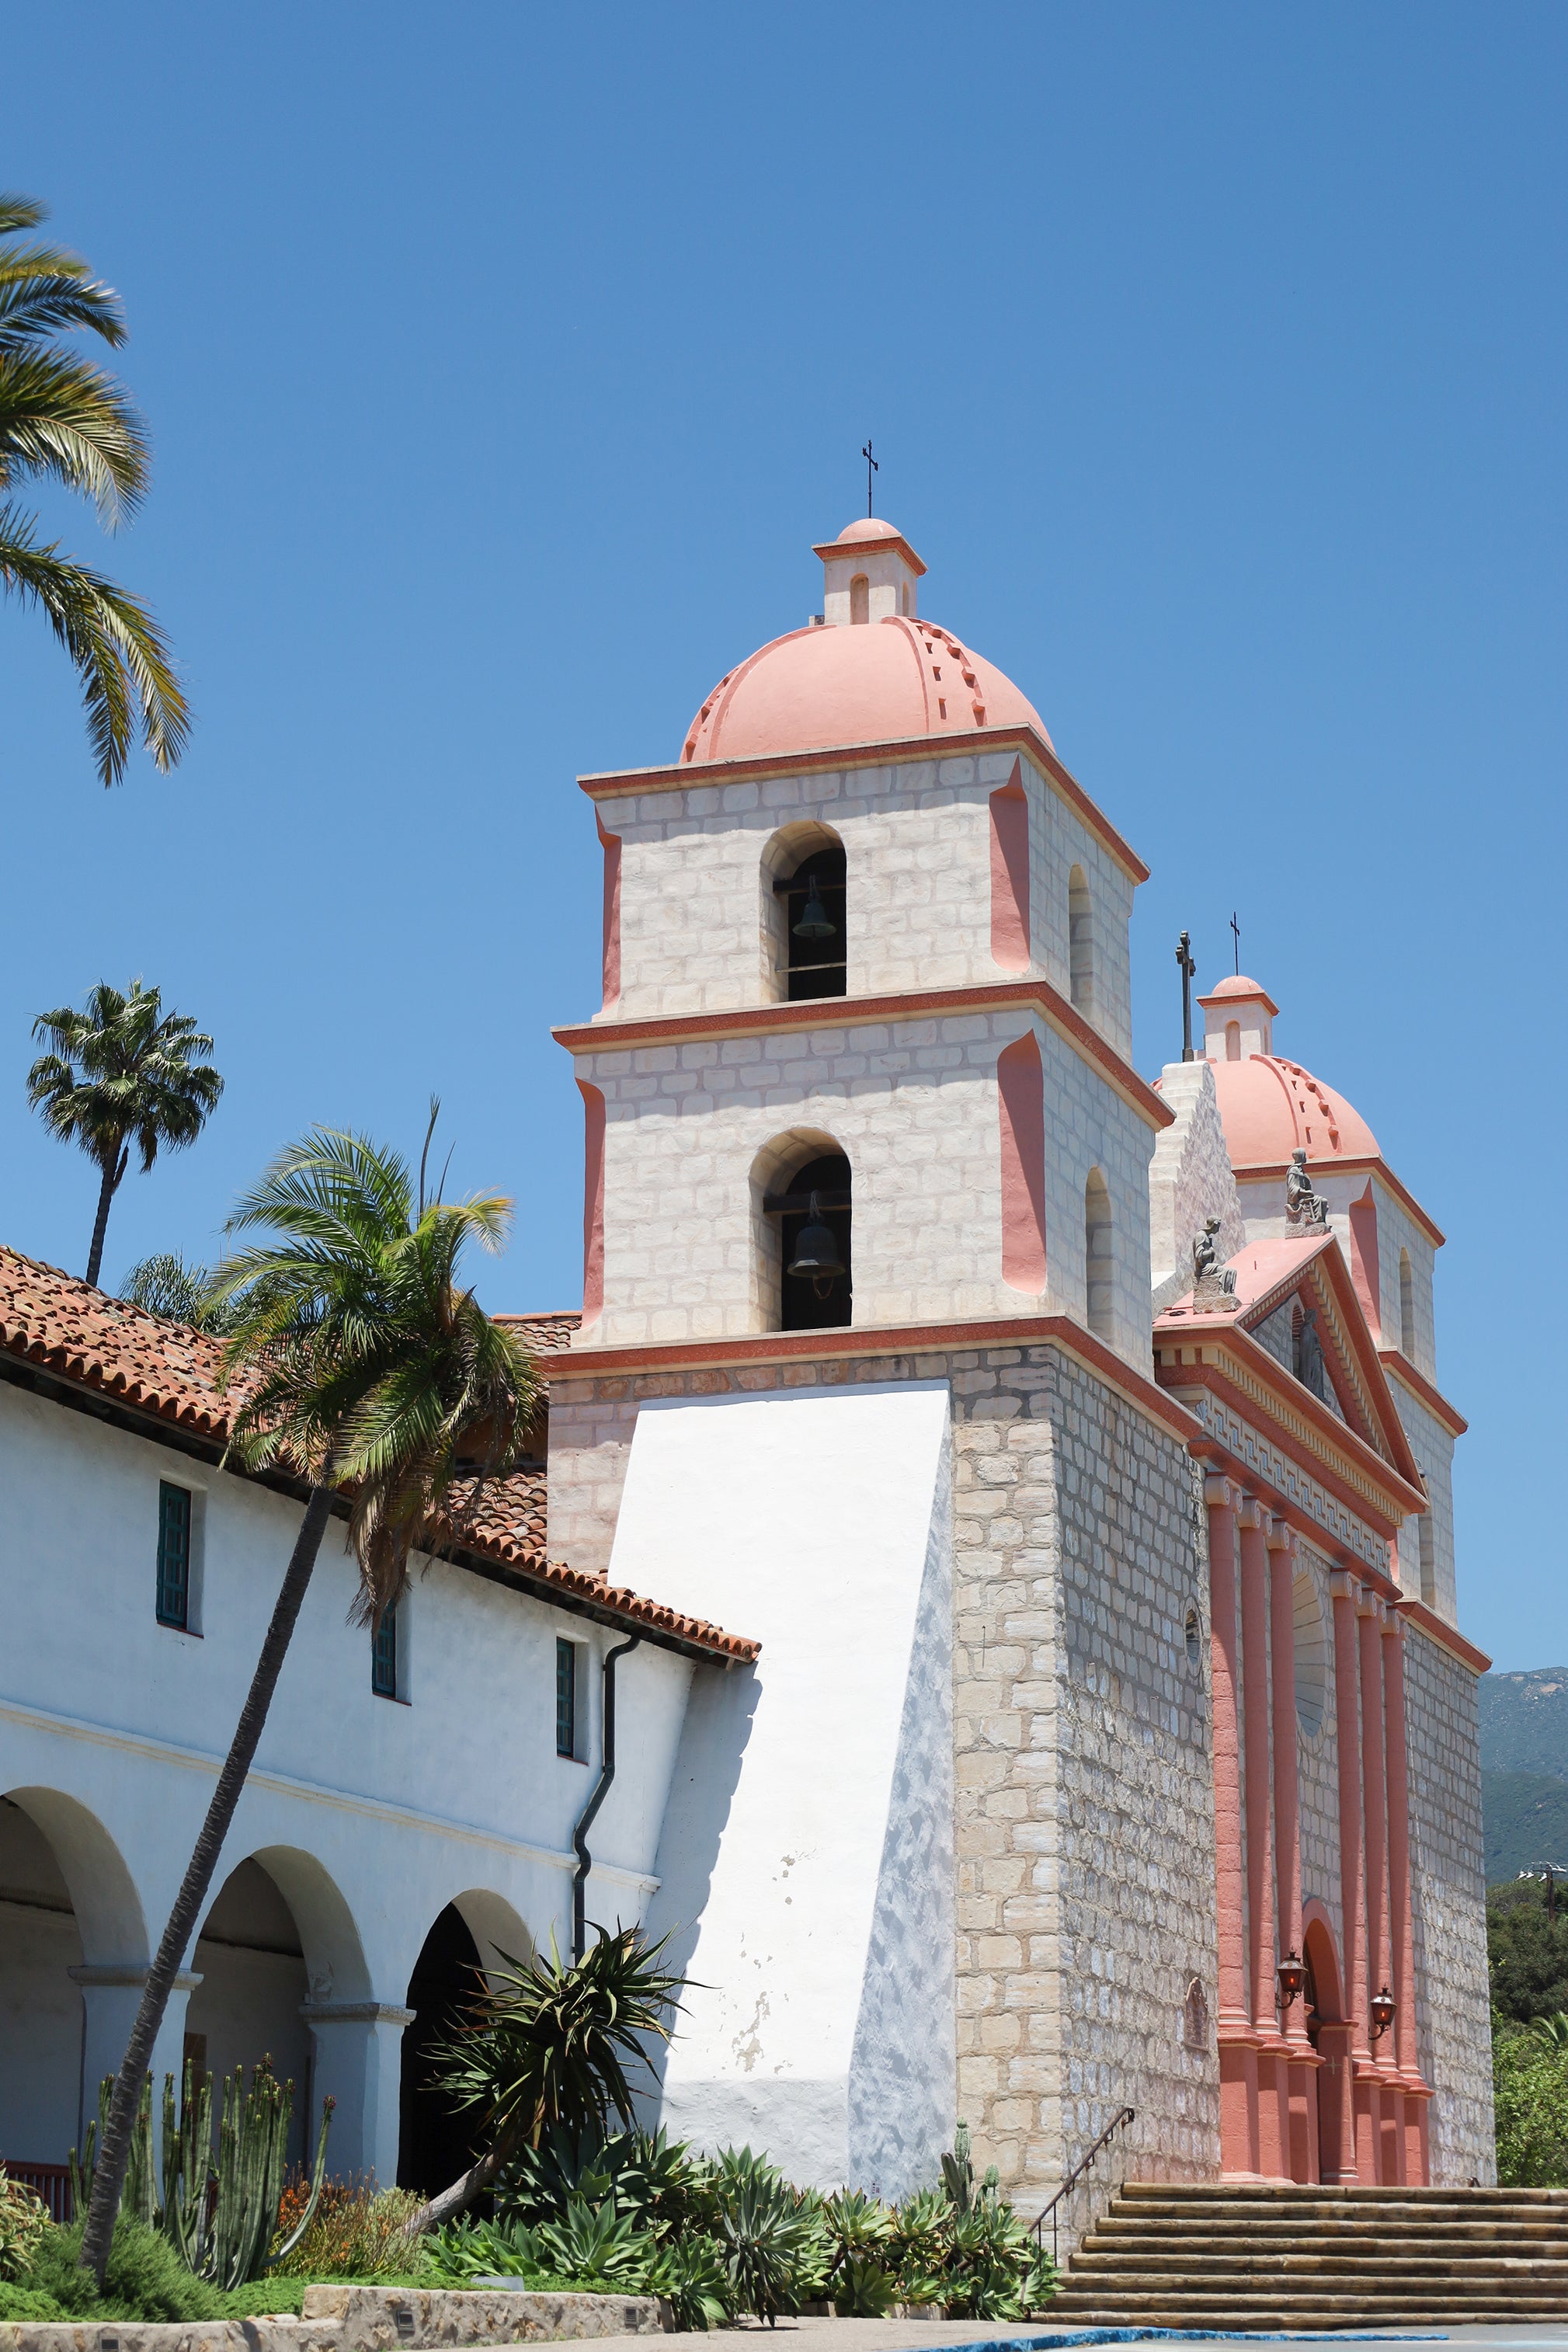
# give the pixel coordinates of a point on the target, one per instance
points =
(1351, 1881)
(1401, 1938)
(1383, 2075)
(1238, 2044)
(1298, 2066)
(1273, 2146)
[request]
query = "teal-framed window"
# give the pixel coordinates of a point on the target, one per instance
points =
(174, 1556)
(565, 1698)
(383, 1655)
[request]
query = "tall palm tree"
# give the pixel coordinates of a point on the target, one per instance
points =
(358, 1362)
(122, 1071)
(64, 420)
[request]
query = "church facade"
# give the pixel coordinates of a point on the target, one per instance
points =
(1014, 1499)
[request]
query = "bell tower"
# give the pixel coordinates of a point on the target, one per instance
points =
(866, 1315)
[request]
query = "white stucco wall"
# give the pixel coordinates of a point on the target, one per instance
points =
(806, 1869)
(370, 1815)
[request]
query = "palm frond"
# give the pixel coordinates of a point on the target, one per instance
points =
(62, 417)
(120, 655)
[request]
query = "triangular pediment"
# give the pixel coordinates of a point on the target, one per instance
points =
(1298, 1302)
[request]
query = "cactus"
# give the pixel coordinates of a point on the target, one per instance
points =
(223, 2229)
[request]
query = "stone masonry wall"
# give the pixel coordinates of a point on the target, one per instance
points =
(1447, 1872)
(696, 1133)
(694, 927)
(1084, 1797)
(1085, 1832)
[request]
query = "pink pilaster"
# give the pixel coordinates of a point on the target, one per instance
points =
(1298, 2068)
(1357, 2157)
(1273, 2144)
(1401, 1939)
(1384, 2106)
(1238, 2042)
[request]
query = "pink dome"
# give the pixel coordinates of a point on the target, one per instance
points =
(1237, 986)
(868, 527)
(884, 682)
(1270, 1109)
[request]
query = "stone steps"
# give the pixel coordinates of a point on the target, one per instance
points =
(1271, 2257)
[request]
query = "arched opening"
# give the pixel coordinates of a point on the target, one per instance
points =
(904, 596)
(1328, 2034)
(803, 1226)
(1406, 1309)
(250, 1957)
(860, 598)
(1428, 1555)
(804, 914)
(1080, 942)
(1098, 1265)
(1233, 1041)
(436, 2141)
(67, 1904)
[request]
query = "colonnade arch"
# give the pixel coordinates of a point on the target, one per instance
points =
(473, 1939)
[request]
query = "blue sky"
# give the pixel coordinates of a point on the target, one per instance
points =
(503, 365)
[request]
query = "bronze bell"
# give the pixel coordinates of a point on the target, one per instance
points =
(816, 1251)
(814, 924)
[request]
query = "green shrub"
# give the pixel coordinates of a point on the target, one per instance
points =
(24, 2218)
(1529, 2092)
(145, 2278)
(28, 2302)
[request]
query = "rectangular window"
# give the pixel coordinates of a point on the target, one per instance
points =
(174, 1556)
(566, 1698)
(383, 1656)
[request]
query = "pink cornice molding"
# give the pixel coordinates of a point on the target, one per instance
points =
(1446, 1636)
(909, 1004)
(627, 783)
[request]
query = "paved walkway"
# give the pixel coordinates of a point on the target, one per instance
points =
(930, 2335)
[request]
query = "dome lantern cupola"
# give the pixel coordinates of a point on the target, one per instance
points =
(870, 575)
(1238, 1020)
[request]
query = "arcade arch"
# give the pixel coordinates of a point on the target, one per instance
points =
(473, 1938)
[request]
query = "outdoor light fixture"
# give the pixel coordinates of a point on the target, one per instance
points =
(816, 1251)
(1383, 2008)
(814, 924)
(1291, 1977)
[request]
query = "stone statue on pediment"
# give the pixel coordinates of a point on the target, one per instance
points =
(1306, 1210)
(1213, 1284)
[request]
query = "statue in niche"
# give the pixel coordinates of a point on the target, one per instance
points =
(1306, 1210)
(1309, 1355)
(1213, 1284)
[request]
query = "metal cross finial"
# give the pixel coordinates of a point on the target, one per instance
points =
(1236, 930)
(871, 467)
(1183, 958)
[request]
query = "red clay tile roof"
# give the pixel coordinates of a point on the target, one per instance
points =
(168, 1372)
(548, 1332)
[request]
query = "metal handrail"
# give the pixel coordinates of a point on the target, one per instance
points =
(1119, 2122)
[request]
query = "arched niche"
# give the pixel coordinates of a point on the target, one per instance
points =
(1099, 1264)
(784, 1175)
(804, 875)
(1081, 943)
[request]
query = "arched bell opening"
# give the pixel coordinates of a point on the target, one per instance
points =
(804, 899)
(804, 1220)
(437, 2141)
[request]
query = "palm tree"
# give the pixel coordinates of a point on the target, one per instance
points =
(64, 420)
(164, 1285)
(122, 1071)
(357, 1364)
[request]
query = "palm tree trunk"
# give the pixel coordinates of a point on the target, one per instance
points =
(463, 2192)
(110, 2174)
(114, 1169)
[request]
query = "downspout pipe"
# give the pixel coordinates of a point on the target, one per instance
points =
(585, 1818)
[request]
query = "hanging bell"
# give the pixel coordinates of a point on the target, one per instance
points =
(816, 1251)
(814, 924)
